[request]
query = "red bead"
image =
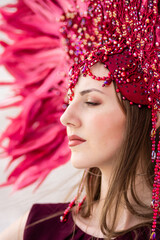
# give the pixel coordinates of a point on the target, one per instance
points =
(123, 74)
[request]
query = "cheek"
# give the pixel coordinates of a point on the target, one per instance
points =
(104, 132)
(109, 128)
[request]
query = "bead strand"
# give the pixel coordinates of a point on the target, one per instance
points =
(153, 135)
(63, 218)
(155, 194)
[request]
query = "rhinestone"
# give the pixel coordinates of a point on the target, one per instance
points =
(153, 155)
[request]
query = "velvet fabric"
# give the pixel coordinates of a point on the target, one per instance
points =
(53, 229)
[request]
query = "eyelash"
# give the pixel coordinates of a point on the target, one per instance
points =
(92, 103)
(88, 103)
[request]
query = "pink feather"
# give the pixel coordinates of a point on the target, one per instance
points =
(37, 61)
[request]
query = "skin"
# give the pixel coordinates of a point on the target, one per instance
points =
(103, 128)
(98, 118)
(15, 231)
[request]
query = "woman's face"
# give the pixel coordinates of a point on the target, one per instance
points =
(95, 116)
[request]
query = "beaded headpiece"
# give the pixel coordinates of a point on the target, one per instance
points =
(123, 35)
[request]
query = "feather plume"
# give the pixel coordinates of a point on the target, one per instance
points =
(36, 60)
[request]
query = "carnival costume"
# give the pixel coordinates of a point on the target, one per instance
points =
(49, 37)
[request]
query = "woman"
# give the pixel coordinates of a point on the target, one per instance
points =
(112, 120)
(111, 130)
(110, 139)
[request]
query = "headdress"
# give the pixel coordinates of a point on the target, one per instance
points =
(51, 36)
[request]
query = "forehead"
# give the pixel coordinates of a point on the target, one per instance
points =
(88, 82)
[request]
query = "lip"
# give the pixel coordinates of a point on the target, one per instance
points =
(75, 140)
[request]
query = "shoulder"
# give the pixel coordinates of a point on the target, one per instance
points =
(143, 232)
(47, 207)
(43, 210)
(44, 221)
(16, 230)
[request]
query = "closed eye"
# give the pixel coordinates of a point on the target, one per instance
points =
(92, 103)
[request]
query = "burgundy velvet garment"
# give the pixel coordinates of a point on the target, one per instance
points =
(53, 229)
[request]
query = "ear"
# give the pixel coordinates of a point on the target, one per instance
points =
(158, 120)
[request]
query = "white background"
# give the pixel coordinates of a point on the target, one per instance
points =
(58, 187)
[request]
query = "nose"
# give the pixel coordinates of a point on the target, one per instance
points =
(71, 116)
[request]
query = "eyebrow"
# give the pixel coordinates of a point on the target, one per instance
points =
(90, 90)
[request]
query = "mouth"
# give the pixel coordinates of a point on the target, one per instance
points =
(75, 140)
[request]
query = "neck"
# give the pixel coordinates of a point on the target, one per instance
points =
(125, 219)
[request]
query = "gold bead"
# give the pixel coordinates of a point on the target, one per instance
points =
(92, 38)
(62, 18)
(75, 26)
(87, 36)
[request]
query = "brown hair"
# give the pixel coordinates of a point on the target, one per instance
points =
(135, 155)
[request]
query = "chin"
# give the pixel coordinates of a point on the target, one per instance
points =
(79, 162)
